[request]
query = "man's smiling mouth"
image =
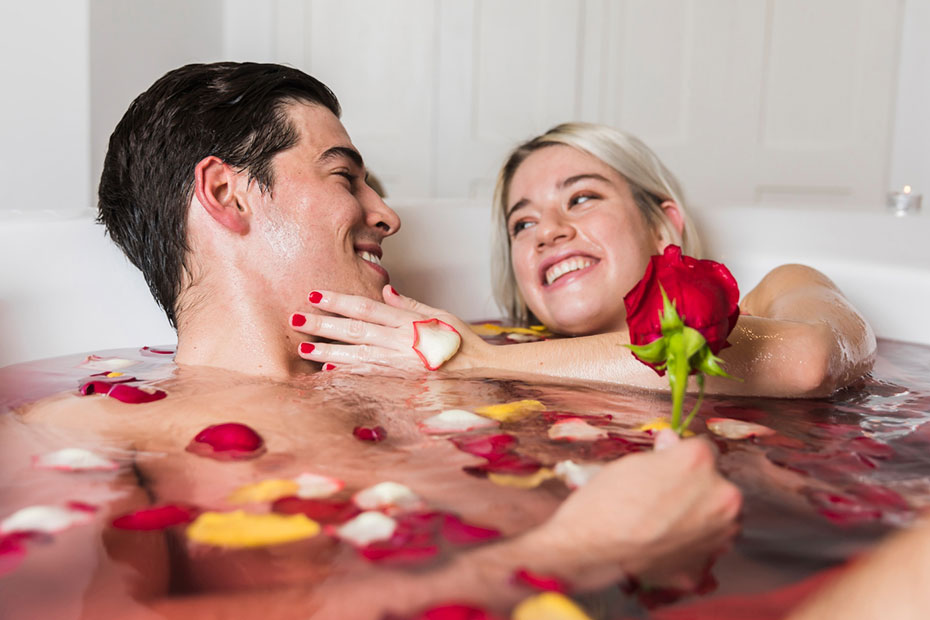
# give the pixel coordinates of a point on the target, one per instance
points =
(371, 258)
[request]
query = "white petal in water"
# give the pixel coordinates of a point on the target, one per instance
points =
(737, 429)
(456, 421)
(435, 341)
(316, 486)
(575, 429)
(74, 459)
(46, 519)
(367, 528)
(576, 474)
(387, 495)
(107, 364)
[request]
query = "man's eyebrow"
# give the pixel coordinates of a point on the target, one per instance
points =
(565, 183)
(341, 151)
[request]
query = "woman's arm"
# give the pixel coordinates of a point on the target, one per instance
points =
(798, 337)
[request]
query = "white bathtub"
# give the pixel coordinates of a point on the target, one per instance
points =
(66, 288)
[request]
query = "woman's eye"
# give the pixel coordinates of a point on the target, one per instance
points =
(520, 226)
(580, 198)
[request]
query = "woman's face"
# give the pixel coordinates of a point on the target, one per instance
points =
(578, 241)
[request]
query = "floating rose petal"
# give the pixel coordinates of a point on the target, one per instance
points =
(737, 429)
(239, 529)
(575, 474)
(510, 463)
(366, 528)
(107, 364)
(654, 426)
(522, 482)
(412, 541)
(122, 392)
(487, 446)
(575, 429)
(74, 459)
(157, 351)
(544, 583)
(841, 509)
(390, 496)
(822, 465)
(880, 497)
(111, 377)
(157, 517)
(370, 433)
(320, 510)
(47, 519)
(548, 606)
(455, 421)
(12, 551)
(315, 486)
(453, 612)
(435, 342)
(227, 442)
(264, 491)
(595, 420)
(870, 447)
(511, 412)
(613, 447)
(458, 532)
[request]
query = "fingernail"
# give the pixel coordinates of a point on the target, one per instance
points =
(394, 290)
(306, 348)
(315, 297)
(329, 366)
(297, 320)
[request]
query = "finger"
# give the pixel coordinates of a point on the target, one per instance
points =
(362, 308)
(395, 299)
(342, 355)
(666, 439)
(355, 331)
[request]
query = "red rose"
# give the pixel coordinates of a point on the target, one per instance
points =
(705, 295)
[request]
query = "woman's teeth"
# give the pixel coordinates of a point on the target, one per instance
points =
(371, 258)
(567, 266)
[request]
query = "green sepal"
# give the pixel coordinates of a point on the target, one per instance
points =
(651, 353)
(708, 363)
(669, 320)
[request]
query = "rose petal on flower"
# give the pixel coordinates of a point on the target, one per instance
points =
(239, 529)
(320, 510)
(366, 528)
(435, 342)
(264, 491)
(522, 482)
(737, 429)
(575, 429)
(107, 364)
(315, 486)
(574, 474)
(46, 519)
(455, 421)
(229, 441)
(370, 433)
(156, 517)
(487, 446)
(459, 532)
(74, 459)
(511, 412)
(543, 583)
(387, 496)
(548, 606)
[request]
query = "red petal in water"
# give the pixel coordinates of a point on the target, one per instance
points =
(459, 532)
(227, 442)
(12, 551)
(841, 509)
(486, 446)
(827, 465)
(609, 448)
(880, 497)
(321, 510)
(509, 463)
(122, 392)
(453, 612)
(82, 506)
(544, 583)
(157, 351)
(595, 420)
(870, 447)
(413, 541)
(368, 433)
(156, 517)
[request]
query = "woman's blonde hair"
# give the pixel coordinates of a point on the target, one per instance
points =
(650, 182)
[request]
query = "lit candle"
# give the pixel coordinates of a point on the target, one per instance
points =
(904, 201)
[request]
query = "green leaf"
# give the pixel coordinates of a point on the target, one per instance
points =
(652, 353)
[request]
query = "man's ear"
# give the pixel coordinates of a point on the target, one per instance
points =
(675, 223)
(215, 185)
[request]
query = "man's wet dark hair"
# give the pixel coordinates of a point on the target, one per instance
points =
(234, 111)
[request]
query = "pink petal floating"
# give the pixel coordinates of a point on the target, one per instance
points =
(455, 421)
(388, 496)
(575, 429)
(122, 392)
(73, 459)
(316, 486)
(157, 351)
(227, 442)
(157, 517)
(320, 510)
(486, 446)
(435, 342)
(459, 532)
(841, 509)
(12, 551)
(368, 433)
(737, 429)
(106, 364)
(47, 519)
(543, 583)
(453, 612)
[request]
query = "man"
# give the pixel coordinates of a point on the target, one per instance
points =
(235, 189)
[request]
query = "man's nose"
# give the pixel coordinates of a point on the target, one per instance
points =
(379, 215)
(552, 228)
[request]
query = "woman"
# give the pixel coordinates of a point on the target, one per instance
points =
(579, 211)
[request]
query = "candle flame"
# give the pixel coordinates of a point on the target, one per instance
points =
(907, 189)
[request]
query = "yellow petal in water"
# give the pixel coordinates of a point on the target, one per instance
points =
(522, 482)
(239, 529)
(548, 606)
(511, 412)
(660, 424)
(264, 491)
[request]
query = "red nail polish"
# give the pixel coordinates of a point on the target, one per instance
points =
(306, 348)
(315, 297)
(329, 366)
(393, 290)
(297, 320)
